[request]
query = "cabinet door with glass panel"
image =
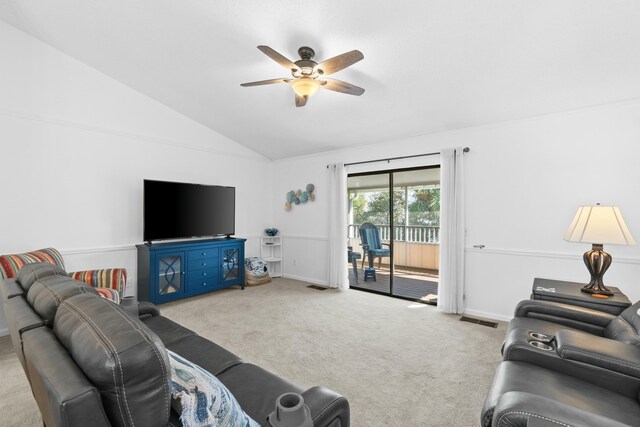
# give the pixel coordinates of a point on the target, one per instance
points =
(232, 268)
(170, 280)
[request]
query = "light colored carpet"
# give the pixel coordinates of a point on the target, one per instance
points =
(398, 363)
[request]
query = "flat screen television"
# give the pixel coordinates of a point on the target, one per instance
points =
(177, 210)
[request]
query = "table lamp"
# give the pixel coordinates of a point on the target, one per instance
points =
(598, 225)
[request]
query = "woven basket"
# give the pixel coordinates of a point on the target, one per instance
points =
(251, 279)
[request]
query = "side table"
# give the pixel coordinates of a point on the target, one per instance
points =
(570, 293)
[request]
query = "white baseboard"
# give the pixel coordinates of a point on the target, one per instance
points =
(492, 316)
(476, 313)
(306, 279)
(4, 332)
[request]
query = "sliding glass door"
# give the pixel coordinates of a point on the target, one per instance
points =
(393, 224)
(370, 214)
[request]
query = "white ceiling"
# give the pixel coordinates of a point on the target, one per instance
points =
(430, 65)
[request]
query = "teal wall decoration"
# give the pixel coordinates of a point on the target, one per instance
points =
(299, 196)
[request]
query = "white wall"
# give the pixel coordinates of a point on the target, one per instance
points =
(75, 146)
(524, 182)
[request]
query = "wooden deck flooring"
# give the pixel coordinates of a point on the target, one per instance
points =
(406, 284)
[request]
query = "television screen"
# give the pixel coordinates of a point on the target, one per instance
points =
(175, 210)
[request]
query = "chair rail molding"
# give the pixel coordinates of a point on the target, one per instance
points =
(122, 248)
(304, 237)
(95, 250)
(543, 254)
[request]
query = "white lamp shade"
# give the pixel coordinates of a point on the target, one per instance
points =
(599, 224)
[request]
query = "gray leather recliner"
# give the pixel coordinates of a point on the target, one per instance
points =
(567, 365)
(548, 317)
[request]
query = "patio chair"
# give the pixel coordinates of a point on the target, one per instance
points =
(372, 245)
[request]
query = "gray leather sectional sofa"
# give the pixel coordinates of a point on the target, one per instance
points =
(565, 365)
(91, 363)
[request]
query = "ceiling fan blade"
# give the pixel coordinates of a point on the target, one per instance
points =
(280, 59)
(301, 101)
(265, 82)
(342, 87)
(340, 62)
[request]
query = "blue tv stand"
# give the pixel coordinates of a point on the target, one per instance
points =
(171, 271)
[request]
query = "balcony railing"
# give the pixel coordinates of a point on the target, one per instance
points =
(402, 233)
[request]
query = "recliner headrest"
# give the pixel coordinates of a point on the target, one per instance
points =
(32, 272)
(47, 293)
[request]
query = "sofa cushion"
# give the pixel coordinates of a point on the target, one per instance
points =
(256, 389)
(121, 356)
(11, 264)
(201, 398)
(46, 294)
(168, 330)
(204, 353)
(29, 273)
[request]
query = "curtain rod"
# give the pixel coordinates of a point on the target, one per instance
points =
(465, 150)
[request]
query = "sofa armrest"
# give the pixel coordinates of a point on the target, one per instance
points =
(586, 319)
(63, 393)
(145, 308)
(114, 278)
(9, 288)
(516, 408)
(598, 351)
(327, 407)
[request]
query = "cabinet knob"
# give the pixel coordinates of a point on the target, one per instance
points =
(183, 272)
(204, 274)
(204, 284)
(204, 254)
(204, 263)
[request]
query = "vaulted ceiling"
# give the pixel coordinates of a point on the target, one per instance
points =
(429, 66)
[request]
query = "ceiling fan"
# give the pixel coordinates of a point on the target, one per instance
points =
(307, 76)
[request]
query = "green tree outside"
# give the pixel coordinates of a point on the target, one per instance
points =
(373, 206)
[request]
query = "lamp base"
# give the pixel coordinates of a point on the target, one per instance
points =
(597, 262)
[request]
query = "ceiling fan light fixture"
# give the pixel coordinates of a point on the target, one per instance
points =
(305, 73)
(305, 86)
